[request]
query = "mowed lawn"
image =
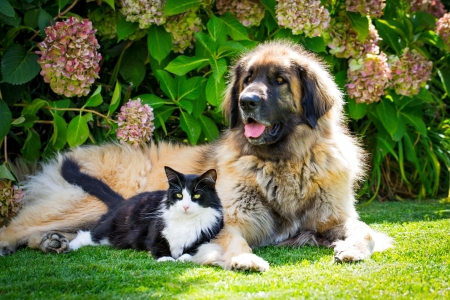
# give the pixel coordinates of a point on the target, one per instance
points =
(416, 268)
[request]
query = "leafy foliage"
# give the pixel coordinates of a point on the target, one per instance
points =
(407, 136)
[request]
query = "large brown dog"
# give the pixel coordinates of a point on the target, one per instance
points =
(286, 170)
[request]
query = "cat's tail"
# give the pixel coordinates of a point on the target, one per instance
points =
(70, 171)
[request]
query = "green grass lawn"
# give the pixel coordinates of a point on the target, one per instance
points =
(417, 268)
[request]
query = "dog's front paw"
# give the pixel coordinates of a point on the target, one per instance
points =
(54, 242)
(347, 252)
(6, 249)
(249, 262)
(185, 258)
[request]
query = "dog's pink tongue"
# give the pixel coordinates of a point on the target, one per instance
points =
(254, 130)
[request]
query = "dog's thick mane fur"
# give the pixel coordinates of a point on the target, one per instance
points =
(298, 190)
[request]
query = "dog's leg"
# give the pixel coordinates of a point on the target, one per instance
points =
(57, 242)
(354, 240)
(230, 251)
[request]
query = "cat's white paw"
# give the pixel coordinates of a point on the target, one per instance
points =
(249, 262)
(165, 258)
(184, 258)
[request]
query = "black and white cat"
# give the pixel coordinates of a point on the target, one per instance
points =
(171, 224)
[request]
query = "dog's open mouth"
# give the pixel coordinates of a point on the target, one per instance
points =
(254, 129)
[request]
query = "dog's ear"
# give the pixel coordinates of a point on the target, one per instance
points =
(230, 105)
(316, 99)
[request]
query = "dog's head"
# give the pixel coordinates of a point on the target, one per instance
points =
(274, 89)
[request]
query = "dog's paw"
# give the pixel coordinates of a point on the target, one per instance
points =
(6, 249)
(185, 258)
(345, 252)
(165, 258)
(249, 262)
(54, 242)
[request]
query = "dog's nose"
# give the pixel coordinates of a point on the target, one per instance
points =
(250, 101)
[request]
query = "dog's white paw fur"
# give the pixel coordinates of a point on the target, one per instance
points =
(350, 252)
(249, 262)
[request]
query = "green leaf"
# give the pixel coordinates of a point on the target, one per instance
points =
(230, 48)
(44, 20)
(356, 110)
(417, 123)
(270, 6)
(389, 35)
(360, 24)
(132, 68)
(96, 99)
(207, 42)
(214, 90)
(26, 121)
(5, 173)
(162, 114)
(191, 126)
(388, 116)
(167, 84)
(5, 119)
(152, 100)
(31, 18)
(190, 89)
(445, 78)
(219, 67)
(110, 3)
(159, 42)
(77, 132)
(31, 148)
(34, 106)
(65, 103)
(183, 64)
(382, 143)
(115, 100)
(401, 128)
(424, 95)
(7, 8)
(19, 66)
(217, 30)
(235, 29)
(187, 105)
(59, 137)
(11, 21)
(174, 7)
(125, 29)
(315, 44)
(62, 4)
(209, 128)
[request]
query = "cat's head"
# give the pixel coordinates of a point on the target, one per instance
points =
(189, 193)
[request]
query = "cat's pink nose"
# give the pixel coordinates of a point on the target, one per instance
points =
(186, 207)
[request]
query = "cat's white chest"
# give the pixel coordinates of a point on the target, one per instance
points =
(183, 228)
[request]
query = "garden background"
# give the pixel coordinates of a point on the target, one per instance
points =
(69, 68)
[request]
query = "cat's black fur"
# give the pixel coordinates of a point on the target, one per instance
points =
(139, 222)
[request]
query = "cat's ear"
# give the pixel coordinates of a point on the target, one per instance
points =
(210, 176)
(172, 175)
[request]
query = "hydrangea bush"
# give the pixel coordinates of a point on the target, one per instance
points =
(68, 70)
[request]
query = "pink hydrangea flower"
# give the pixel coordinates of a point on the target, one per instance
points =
(434, 7)
(146, 12)
(373, 8)
(69, 57)
(410, 72)
(344, 42)
(183, 27)
(135, 123)
(303, 16)
(443, 30)
(368, 77)
(248, 12)
(10, 199)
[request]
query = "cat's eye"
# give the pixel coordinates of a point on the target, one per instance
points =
(196, 196)
(280, 80)
(179, 196)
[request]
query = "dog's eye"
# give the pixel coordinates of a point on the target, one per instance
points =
(196, 196)
(280, 80)
(179, 196)
(248, 79)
